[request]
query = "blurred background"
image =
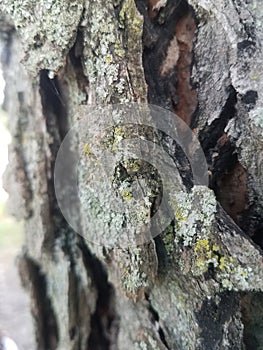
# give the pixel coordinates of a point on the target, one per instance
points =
(15, 318)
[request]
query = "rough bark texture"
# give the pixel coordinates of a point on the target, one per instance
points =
(199, 284)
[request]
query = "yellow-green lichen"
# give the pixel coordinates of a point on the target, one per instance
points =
(168, 240)
(127, 194)
(88, 150)
(232, 275)
(194, 214)
(204, 255)
(228, 270)
(113, 138)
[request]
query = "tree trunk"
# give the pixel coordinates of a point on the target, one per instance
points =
(198, 283)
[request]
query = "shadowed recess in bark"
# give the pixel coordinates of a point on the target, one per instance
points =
(167, 56)
(75, 57)
(168, 37)
(35, 281)
(79, 317)
(228, 178)
(104, 321)
(252, 311)
(54, 107)
(210, 135)
(55, 114)
(211, 318)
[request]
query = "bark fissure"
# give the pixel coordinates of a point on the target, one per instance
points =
(195, 271)
(41, 307)
(56, 119)
(164, 46)
(156, 322)
(76, 57)
(104, 321)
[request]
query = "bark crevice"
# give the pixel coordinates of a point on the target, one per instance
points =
(34, 280)
(104, 321)
(156, 322)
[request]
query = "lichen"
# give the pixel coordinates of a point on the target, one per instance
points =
(233, 276)
(47, 29)
(113, 52)
(148, 344)
(88, 150)
(102, 64)
(132, 24)
(194, 231)
(256, 117)
(113, 138)
(132, 275)
(229, 272)
(194, 214)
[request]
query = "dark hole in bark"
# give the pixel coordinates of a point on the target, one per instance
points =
(250, 98)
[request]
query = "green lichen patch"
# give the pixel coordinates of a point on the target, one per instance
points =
(113, 52)
(113, 137)
(132, 275)
(227, 270)
(205, 254)
(256, 117)
(103, 54)
(194, 214)
(87, 150)
(132, 23)
(47, 29)
(233, 276)
(200, 252)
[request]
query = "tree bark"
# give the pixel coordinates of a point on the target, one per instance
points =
(198, 284)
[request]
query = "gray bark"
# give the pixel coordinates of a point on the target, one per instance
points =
(197, 285)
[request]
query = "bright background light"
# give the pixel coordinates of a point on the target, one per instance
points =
(5, 139)
(15, 318)
(2, 86)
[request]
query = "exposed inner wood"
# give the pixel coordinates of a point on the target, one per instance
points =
(232, 192)
(187, 96)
